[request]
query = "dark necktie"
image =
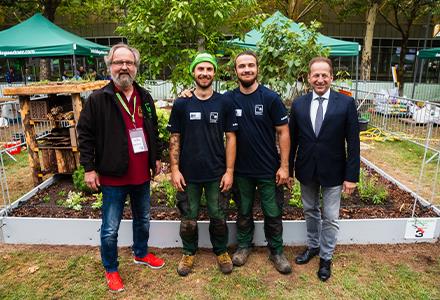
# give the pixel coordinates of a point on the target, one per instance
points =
(319, 116)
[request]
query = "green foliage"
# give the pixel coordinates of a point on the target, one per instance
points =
(163, 117)
(98, 202)
(74, 200)
(62, 193)
(170, 192)
(370, 189)
(46, 199)
(169, 33)
(285, 54)
(78, 180)
(295, 195)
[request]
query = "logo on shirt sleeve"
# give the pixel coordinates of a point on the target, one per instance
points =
(195, 115)
(213, 117)
(258, 109)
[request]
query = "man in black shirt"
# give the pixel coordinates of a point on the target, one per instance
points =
(261, 116)
(199, 162)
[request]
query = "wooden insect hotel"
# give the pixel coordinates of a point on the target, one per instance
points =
(58, 106)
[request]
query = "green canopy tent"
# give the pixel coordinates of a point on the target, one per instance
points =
(337, 47)
(431, 53)
(38, 37)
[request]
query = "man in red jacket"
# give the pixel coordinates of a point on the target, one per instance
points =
(118, 142)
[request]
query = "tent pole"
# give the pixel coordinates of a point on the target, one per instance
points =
(415, 76)
(74, 65)
(24, 73)
(427, 32)
(357, 77)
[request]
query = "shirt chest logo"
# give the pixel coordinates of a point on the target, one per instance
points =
(238, 112)
(258, 109)
(213, 117)
(195, 115)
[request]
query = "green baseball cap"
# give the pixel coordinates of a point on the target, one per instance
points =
(203, 57)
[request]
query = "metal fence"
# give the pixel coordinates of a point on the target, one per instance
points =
(412, 120)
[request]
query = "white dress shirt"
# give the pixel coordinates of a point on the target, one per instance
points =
(314, 106)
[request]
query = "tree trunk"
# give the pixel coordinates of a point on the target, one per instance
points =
(291, 6)
(200, 39)
(50, 8)
(401, 69)
(44, 69)
(369, 32)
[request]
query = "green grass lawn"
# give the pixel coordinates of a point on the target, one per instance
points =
(403, 160)
(18, 175)
(359, 272)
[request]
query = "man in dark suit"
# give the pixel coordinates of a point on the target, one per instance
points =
(325, 158)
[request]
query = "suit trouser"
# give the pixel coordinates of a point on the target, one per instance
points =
(271, 198)
(188, 203)
(321, 232)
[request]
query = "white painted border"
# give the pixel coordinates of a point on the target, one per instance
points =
(165, 234)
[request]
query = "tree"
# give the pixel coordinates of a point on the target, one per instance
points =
(285, 55)
(347, 8)
(77, 11)
(294, 9)
(401, 15)
(169, 33)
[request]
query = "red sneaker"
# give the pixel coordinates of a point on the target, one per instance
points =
(150, 260)
(114, 281)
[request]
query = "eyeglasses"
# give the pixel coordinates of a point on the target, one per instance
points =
(120, 63)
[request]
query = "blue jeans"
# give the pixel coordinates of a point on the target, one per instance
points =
(113, 200)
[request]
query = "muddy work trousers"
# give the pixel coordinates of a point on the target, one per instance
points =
(188, 203)
(271, 198)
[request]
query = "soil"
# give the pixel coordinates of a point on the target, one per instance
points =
(44, 204)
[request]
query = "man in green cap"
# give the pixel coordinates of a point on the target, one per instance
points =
(201, 164)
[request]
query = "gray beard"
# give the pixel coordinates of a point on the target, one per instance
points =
(124, 82)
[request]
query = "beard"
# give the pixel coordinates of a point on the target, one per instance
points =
(203, 85)
(249, 82)
(123, 80)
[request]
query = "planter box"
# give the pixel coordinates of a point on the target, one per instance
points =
(163, 234)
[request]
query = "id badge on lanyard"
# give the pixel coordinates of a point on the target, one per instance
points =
(137, 138)
(137, 135)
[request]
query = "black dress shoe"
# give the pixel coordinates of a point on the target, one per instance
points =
(306, 256)
(325, 269)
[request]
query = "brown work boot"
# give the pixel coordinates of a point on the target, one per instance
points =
(281, 263)
(240, 256)
(185, 265)
(224, 263)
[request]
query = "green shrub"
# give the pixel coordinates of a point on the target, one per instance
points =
(370, 189)
(74, 200)
(46, 199)
(170, 193)
(98, 202)
(163, 117)
(78, 180)
(295, 195)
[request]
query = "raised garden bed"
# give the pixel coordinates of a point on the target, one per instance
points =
(46, 204)
(382, 223)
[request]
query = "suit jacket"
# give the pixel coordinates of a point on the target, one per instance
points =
(333, 156)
